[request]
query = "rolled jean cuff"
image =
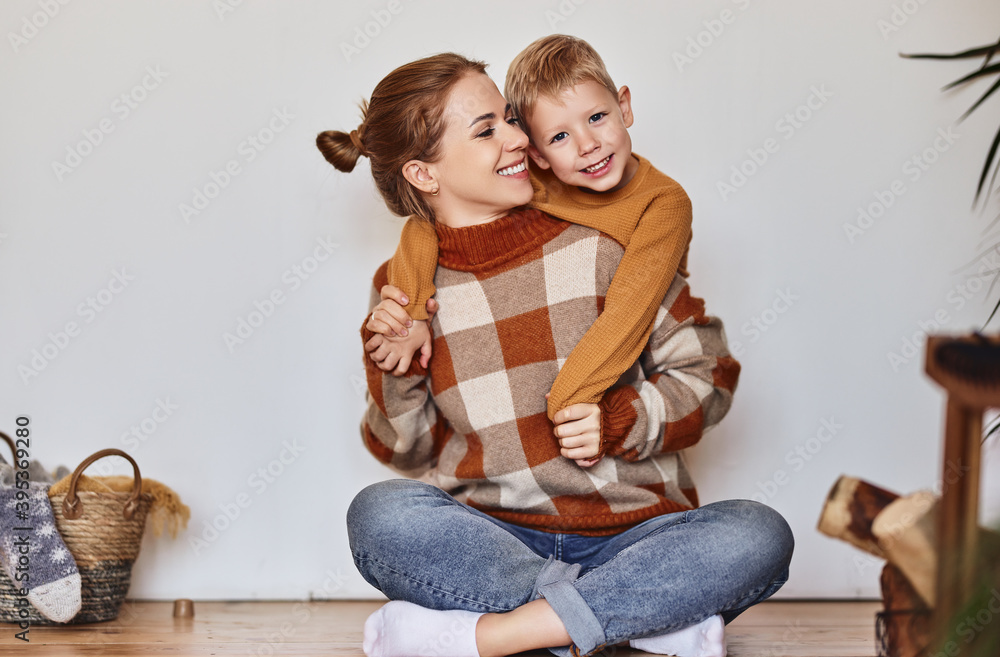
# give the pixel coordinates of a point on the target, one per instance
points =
(555, 584)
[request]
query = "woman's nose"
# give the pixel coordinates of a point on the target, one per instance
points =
(516, 139)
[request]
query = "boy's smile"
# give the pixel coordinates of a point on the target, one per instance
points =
(583, 137)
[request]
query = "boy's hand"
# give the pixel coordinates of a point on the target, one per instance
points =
(578, 428)
(395, 353)
(389, 318)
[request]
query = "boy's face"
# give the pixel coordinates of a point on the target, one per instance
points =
(583, 137)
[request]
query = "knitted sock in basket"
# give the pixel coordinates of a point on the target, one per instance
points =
(28, 529)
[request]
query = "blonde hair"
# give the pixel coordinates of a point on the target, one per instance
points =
(548, 67)
(403, 121)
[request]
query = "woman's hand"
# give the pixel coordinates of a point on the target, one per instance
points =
(396, 353)
(389, 318)
(578, 428)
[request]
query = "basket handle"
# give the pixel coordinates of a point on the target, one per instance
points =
(10, 441)
(72, 507)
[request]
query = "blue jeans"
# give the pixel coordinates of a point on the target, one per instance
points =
(414, 542)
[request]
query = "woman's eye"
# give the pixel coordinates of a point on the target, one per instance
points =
(487, 133)
(597, 117)
(559, 137)
(513, 120)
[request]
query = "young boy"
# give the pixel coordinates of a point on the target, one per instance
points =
(578, 125)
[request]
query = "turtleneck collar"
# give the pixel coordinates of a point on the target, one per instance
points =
(481, 247)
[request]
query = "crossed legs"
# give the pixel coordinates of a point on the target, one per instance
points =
(417, 544)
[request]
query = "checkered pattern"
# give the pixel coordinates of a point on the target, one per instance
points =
(650, 217)
(516, 296)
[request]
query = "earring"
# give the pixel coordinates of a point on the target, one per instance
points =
(434, 192)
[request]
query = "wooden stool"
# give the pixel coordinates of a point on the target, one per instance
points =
(968, 368)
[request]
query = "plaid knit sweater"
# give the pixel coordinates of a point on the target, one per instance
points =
(650, 216)
(515, 296)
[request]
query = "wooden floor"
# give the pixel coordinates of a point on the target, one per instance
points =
(771, 629)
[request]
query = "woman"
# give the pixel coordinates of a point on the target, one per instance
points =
(516, 546)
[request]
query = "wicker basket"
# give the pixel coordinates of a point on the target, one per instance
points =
(103, 532)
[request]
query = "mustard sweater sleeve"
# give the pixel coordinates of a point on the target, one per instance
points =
(652, 257)
(413, 266)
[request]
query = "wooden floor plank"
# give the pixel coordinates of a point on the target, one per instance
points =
(771, 629)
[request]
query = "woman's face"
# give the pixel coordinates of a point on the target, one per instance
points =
(482, 168)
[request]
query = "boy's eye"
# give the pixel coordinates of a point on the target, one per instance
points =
(559, 137)
(513, 120)
(597, 117)
(487, 132)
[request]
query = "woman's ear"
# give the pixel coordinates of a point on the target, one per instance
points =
(625, 105)
(418, 174)
(538, 158)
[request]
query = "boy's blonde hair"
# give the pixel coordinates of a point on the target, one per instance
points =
(548, 67)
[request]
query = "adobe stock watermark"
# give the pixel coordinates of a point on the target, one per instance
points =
(301, 613)
(787, 126)
(972, 625)
(87, 310)
(561, 12)
(225, 7)
(259, 481)
(121, 108)
(292, 280)
(911, 346)
(359, 383)
(365, 33)
(898, 17)
(697, 44)
(913, 168)
(760, 323)
(33, 23)
(140, 432)
(796, 459)
(443, 643)
(252, 146)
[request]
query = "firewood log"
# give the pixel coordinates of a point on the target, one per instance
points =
(905, 531)
(849, 511)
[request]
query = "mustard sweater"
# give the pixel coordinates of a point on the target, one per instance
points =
(650, 217)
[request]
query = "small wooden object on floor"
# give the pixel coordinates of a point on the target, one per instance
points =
(183, 608)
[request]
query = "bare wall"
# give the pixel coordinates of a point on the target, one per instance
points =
(183, 276)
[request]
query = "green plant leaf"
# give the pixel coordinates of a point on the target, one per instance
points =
(977, 258)
(965, 54)
(978, 73)
(989, 92)
(992, 224)
(986, 166)
(987, 323)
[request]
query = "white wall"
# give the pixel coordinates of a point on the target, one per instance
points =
(223, 77)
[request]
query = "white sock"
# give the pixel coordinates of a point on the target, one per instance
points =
(58, 601)
(706, 639)
(403, 629)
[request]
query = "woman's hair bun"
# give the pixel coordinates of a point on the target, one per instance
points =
(341, 149)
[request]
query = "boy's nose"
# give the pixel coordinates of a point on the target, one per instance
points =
(588, 146)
